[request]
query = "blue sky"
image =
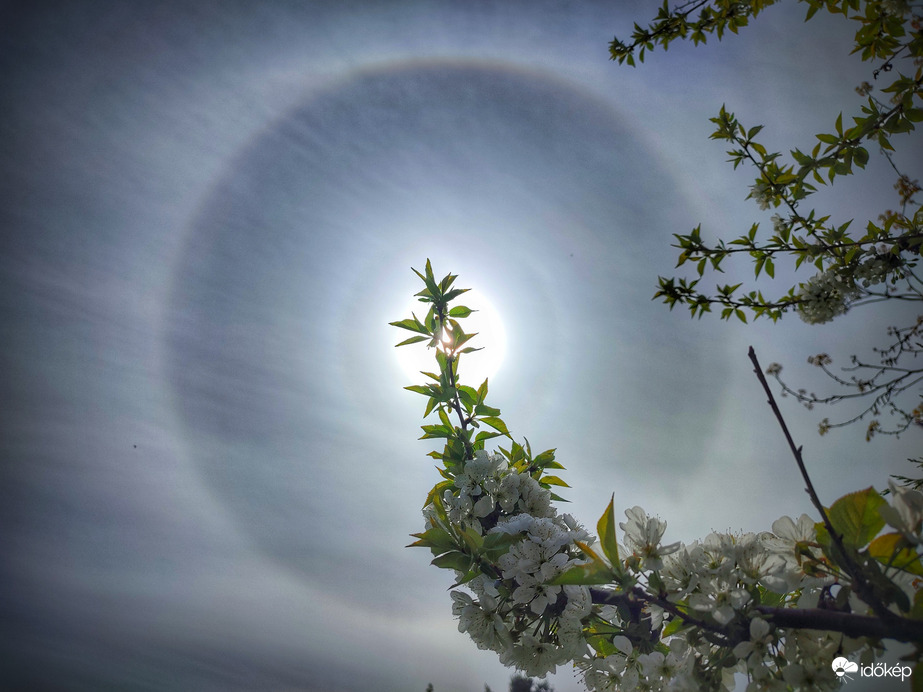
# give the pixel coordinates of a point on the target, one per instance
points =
(211, 211)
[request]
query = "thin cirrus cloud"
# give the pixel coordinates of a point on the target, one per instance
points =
(210, 467)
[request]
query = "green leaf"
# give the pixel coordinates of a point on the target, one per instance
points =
(411, 324)
(545, 460)
(553, 480)
(431, 431)
(497, 544)
(431, 288)
(485, 435)
(442, 360)
(674, 626)
(485, 410)
(436, 539)
(460, 311)
(856, 517)
(471, 574)
(588, 574)
(454, 293)
(550, 465)
(430, 319)
(605, 527)
(447, 281)
(589, 552)
(893, 549)
(771, 598)
(496, 424)
(467, 394)
(437, 491)
(453, 560)
(473, 539)
(492, 541)
(412, 340)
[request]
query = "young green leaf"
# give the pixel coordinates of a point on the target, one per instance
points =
(586, 575)
(453, 560)
(856, 517)
(496, 424)
(892, 549)
(553, 480)
(412, 340)
(606, 530)
(436, 539)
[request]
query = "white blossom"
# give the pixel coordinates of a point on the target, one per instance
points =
(755, 649)
(874, 269)
(486, 628)
(533, 498)
(642, 537)
(793, 545)
(536, 626)
(762, 192)
(534, 656)
(826, 295)
(779, 225)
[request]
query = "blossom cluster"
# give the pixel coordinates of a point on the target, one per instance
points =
(719, 583)
(828, 293)
(875, 269)
(533, 625)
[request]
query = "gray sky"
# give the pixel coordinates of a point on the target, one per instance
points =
(210, 214)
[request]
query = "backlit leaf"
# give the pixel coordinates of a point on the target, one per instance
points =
(856, 517)
(605, 527)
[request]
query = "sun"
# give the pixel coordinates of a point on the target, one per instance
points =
(474, 367)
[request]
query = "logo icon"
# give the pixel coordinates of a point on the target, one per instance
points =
(842, 667)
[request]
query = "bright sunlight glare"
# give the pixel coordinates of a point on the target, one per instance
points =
(473, 367)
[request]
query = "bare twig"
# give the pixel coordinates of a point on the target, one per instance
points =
(862, 587)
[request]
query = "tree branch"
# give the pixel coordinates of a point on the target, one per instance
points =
(863, 589)
(850, 624)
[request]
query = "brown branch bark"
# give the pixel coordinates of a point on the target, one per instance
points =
(850, 624)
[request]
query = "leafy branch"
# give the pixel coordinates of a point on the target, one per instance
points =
(544, 589)
(715, 17)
